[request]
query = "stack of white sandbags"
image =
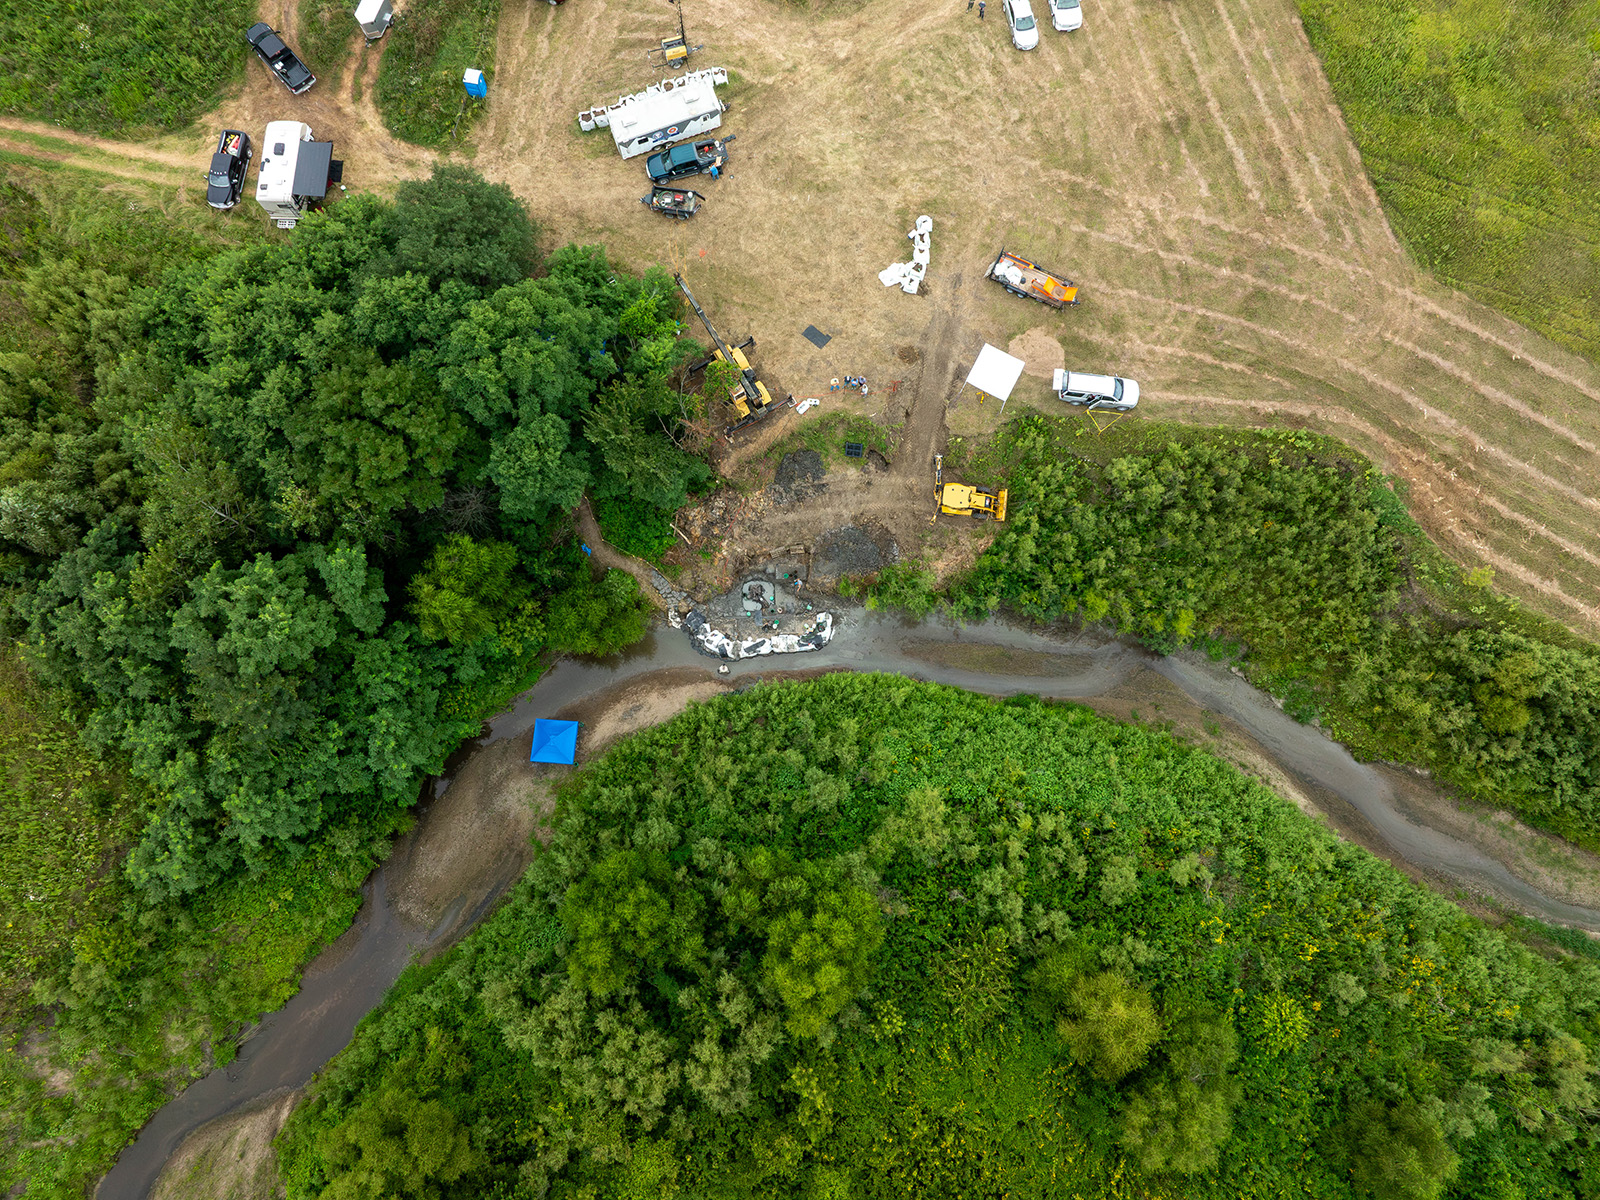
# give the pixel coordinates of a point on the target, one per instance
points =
(909, 275)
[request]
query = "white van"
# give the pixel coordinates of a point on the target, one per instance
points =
(1104, 393)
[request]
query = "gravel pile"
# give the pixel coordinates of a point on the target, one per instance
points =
(852, 550)
(799, 475)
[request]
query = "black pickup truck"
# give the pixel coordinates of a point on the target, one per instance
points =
(691, 158)
(282, 61)
(225, 180)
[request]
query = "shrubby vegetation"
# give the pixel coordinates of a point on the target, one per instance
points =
(1476, 122)
(279, 525)
(1295, 550)
(863, 937)
(419, 88)
(113, 65)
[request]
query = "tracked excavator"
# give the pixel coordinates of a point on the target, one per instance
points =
(749, 397)
(962, 500)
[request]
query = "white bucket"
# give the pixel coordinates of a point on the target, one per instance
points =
(602, 118)
(586, 120)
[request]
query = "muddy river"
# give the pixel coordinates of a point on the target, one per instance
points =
(351, 977)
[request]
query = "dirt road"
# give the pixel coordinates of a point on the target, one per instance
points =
(1185, 164)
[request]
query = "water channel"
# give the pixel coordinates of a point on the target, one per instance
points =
(350, 978)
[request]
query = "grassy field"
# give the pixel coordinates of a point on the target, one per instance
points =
(419, 87)
(327, 30)
(117, 65)
(1477, 122)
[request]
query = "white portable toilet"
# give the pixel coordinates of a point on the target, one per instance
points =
(374, 17)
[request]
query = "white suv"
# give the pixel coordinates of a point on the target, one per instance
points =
(1105, 393)
(1066, 15)
(1024, 29)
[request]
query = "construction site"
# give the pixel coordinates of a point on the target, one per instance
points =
(1226, 246)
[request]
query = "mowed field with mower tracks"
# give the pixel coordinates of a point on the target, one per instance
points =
(1183, 160)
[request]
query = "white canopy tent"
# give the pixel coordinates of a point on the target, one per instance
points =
(995, 374)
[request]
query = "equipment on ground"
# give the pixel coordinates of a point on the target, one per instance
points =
(1031, 281)
(674, 51)
(673, 201)
(749, 397)
(963, 500)
(296, 172)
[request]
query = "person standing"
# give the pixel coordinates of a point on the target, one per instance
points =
(980, 10)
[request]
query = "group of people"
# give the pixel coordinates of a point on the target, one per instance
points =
(980, 8)
(851, 382)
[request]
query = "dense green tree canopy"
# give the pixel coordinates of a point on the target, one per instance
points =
(866, 938)
(285, 518)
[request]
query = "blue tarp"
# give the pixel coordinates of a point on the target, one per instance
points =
(554, 741)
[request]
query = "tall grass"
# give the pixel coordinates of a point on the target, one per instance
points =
(109, 66)
(1479, 121)
(327, 27)
(419, 87)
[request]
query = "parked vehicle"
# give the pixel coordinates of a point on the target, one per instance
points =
(1023, 278)
(674, 110)
(1024, 29)
(280, 60)
(296, 172)
(673, 201)
(691, 158)
(964, 500)
(225, 182)
(1102, 393)
(1066, 15)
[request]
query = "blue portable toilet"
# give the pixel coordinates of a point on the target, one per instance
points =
(554, 741)
(475, 83)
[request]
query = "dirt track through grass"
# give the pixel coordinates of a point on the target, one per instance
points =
(1185, 164)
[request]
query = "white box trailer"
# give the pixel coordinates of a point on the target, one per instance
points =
(671, 112)
(295, 172)
(374, 17)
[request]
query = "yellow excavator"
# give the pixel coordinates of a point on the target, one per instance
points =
(749, 397)
(963, 500)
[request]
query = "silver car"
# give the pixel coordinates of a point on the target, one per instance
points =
(1024, 29)
(1066, 15)
(1104, 393)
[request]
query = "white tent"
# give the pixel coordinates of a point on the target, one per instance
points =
(995, 373)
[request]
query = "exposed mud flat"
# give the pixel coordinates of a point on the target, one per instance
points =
(231, 1158)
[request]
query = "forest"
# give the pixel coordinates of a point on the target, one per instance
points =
(279, 524)
(1292, 554)
(862, 937)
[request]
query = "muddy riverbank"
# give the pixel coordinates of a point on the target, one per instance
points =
(474, 838)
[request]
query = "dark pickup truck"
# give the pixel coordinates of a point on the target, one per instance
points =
(225, 180)
(691, 158)
(282, 61)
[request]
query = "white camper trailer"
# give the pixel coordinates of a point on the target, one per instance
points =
(295, 171)
(651, 119)
(374, 17)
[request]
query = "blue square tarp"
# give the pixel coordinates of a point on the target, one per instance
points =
(554, 741)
